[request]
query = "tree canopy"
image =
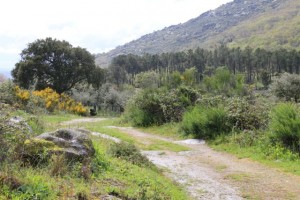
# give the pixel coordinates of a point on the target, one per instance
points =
(53, 63)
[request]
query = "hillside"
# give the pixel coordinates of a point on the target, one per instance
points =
(258, 23)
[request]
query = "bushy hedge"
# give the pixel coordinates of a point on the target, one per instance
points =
(48, 99)
(158, 106)
(205, 122)
(285, 125)
(216, 115)
(244, 114)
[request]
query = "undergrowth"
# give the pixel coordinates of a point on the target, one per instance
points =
(116, 170)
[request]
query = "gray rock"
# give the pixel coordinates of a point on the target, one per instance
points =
(20, 123)
(75, 144)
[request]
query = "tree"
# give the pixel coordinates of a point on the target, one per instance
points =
(53, 63)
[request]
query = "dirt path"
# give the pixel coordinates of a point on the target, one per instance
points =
(208, 174)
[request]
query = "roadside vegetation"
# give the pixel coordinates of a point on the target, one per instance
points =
(116, 170)
(241, 106)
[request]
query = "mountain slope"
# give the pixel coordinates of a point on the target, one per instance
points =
(257, 23)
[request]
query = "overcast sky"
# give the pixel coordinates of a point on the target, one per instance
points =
(97, 25)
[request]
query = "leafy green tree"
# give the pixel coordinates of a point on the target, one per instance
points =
(53, 63)
(97, 78)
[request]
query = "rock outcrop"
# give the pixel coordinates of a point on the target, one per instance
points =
(74, 144)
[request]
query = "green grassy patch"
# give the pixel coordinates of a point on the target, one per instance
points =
(164, 145)
(110, 175)
(153, 144)
(60, 118)
(52, 122)
(255, 153)
(170, 130)
(98, 127)
(238, 177)
(220, 168)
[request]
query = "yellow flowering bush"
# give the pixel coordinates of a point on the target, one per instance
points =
(49, 96)
(21, 94)
(52, 100)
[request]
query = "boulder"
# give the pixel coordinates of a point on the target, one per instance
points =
(19, 123)
(74, 144)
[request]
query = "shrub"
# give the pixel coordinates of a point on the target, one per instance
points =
(287, 87)
(158, 106)
(222, 82)
(246, 138)
(285, 125)
(130, 153)
(149, 79)
(48, 99)
(246, 115)
(7, 94)
(205, 122)
(12, 136)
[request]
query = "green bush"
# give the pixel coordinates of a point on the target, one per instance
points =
(130, 153)
(287, 87)
(7, 94)
(159, 106)
(285, 125)
(247, 115)
(205, 122)
(224, 82)
(144, 108)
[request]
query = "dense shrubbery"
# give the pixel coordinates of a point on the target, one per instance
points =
(108, 98)
(285, 125)
(158, 106)
(14, 131)
(7, 94)
(216, 115)
(287, 87)
(48, 99)
(224, 82)
(246, 114)
(205, 122)
(130, 153)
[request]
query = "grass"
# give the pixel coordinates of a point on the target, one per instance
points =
(256, 154)
(152, 144)
(109, 175)
(52, 122)
(164, 145)
(170, 130)
(238, 177)
(98, 127)
(220, 168)
(60, 118)
(114, 176)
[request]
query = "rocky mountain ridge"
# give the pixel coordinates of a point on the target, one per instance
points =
(210, 29)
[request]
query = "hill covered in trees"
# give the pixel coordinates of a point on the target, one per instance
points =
(269, 24)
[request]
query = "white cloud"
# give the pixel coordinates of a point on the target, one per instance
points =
(98, 25)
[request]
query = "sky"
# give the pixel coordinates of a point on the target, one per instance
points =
(97, 25)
